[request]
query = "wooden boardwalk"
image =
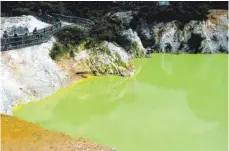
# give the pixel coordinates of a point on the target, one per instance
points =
(44, 34)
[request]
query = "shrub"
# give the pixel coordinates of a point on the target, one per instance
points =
(124, 42)
(96, 46)
(105, 30)
(71, 35)
(57, 50)
(91, 43)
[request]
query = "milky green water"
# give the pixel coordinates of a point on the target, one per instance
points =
(172, 103)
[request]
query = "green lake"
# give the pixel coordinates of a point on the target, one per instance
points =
(171, 103)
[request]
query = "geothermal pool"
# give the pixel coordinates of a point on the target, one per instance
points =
(172, 103)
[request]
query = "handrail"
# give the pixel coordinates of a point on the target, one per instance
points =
(87, 21)
(6, 14)
(43, 34)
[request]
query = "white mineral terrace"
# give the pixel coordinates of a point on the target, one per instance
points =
(27, 73)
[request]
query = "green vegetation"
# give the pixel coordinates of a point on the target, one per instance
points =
(62, 48)
(94, 45)
(136, 50)
(105, 29)
(59, 50)
(71, 35)
(91, 43)
(93, 10)
(124, 42)
(119, 61)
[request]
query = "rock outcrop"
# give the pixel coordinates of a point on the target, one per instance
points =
(104, 58)
(28, 74)
(123, 18)
(135, 48)
(210, 36)
(206, 36)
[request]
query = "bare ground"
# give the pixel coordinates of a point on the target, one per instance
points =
(19, 135)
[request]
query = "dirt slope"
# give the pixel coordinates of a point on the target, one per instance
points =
(19, 135)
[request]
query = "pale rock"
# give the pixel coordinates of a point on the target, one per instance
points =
(123, 17)
(132, 36)
(28, 74)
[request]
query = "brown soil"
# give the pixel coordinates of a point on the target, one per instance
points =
(75, 70)
(215, 14)
(19, 135)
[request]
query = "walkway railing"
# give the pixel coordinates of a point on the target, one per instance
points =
(76, 20)
(6, 14)
(44, 34)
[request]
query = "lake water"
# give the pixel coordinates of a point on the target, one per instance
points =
(172, 103)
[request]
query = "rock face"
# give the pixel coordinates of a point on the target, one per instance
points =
(121, 60)
(104, 58)
(124, 18)
(210, 36)
(129, 38)
(28, 74)
(136, 48)
(207, 36)
(216, 32)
